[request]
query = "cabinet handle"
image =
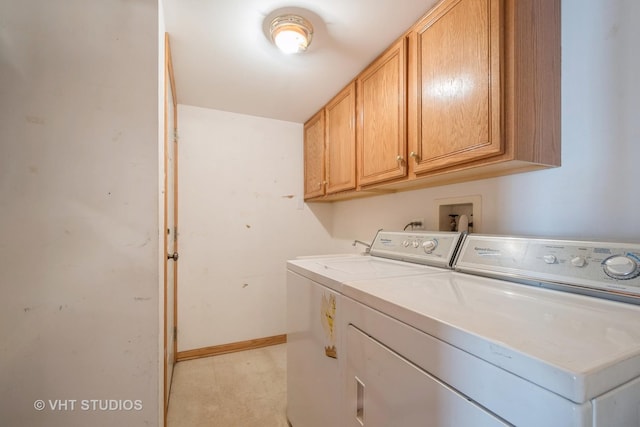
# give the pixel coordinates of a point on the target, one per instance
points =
(414, 156)
(359, 401)
(399, 158)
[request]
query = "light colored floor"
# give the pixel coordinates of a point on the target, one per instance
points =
(244, 389)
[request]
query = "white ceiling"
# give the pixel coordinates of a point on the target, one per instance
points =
(224, 60)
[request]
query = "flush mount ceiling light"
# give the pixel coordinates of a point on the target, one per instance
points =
(291, 33)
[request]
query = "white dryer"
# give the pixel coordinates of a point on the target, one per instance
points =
(500, 341)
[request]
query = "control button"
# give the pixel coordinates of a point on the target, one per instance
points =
(415, 244)
(405, 243)
(550, 259)
(621, 267)
(578, 261)
(430, 245)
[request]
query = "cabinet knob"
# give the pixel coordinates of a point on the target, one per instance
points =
(414, 155)
(399, 158)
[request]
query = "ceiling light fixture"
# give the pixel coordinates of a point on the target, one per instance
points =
(291, 33)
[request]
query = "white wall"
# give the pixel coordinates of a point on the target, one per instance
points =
(237, 228)
(79, 208)
(595, 192)
(240, 218)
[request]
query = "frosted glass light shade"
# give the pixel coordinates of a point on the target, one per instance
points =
(291, 33)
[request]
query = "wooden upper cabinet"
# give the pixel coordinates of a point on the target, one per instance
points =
(314, 181)
(340, 141)
(471, 91)
(381, 110)
(455, 85)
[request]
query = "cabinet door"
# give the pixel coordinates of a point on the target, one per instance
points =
(455, 60)
(314, 156)
(384, 389)
(381, 101)
(340, 114)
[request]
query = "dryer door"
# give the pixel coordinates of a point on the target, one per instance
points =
(384, 389)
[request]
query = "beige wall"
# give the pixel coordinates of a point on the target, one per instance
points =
(241, 217)
(79, 209)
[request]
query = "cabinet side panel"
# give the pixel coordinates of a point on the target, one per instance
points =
(536, 80)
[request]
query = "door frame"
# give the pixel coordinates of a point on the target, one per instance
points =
(170, 137)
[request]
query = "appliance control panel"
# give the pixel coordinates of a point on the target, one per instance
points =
(420, 247)
(597, 266)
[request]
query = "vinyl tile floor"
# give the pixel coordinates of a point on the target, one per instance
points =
(243, 389)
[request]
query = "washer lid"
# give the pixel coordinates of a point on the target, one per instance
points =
(334, 271)
(393, 253)
(576, 346)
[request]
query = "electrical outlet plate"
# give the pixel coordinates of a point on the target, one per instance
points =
(467, 205)
(418, 227)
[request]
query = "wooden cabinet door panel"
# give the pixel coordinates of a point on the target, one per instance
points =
(340, 115)
(314, 156)
(381, 102)
(457, 55)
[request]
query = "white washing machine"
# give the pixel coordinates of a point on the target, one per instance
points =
(315, 335)
(526, 332)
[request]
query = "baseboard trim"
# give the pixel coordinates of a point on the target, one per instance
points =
(230, 348)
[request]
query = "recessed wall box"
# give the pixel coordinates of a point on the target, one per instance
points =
(449, 210)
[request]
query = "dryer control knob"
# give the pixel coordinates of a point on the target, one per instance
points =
(621, 267)
(405, 243)
(578, 261)
(429, 245)
(550, 259)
